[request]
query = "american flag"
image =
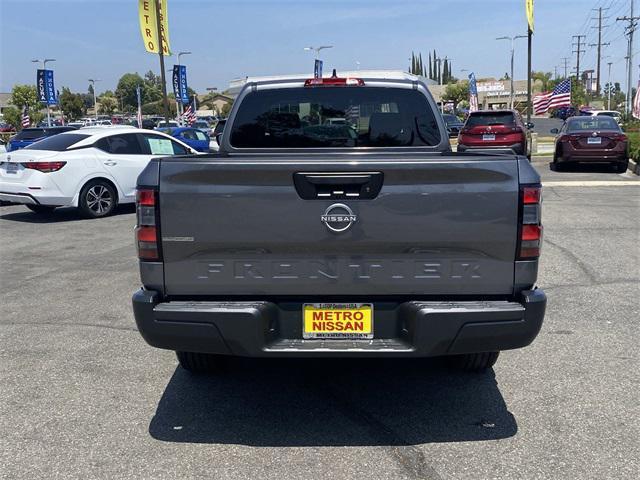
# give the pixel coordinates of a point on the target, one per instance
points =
(473, 93)
(560, 97)
(636, 103)
(189, 115)
(26, 121)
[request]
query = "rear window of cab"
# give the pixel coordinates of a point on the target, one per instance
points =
(322, 117)
(490, 118)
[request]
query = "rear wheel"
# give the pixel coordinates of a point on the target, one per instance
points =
(200, 362)
(97, 199)
(41, 209)
(474, 362)
(621, 167)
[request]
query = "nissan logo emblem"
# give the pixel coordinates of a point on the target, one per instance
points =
(338, 217)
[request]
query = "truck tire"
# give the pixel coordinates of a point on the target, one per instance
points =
(97, 199)
(200, 362)
(41, 209)
(474, 362)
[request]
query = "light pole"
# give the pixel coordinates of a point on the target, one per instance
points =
(179, 105)
(95, 102)
(317, 50)
(44, 67)
(512, 40)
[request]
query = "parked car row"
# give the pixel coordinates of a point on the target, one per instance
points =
(93, 168)
(595, 137)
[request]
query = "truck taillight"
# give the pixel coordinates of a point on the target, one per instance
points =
(147, 228)
(530, 239)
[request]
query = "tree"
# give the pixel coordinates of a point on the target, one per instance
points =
(107, 105)
(13, 117)
(153, 80)
(545, 78)
(72, 104)
(430, 68)
(578, 94)
(126, 89)
(456, 93)
(22, 95)
(26, 95)
(226, 109)
(90, 90)
(445, 78)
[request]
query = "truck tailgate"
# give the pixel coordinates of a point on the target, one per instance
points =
(439, 225)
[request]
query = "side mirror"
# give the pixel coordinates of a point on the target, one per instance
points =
(530, 125)
(555, 131)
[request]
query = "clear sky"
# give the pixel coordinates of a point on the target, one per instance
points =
(101, 38)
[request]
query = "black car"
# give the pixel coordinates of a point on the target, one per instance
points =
(453, 123)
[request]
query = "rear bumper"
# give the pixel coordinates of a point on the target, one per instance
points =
(46, 193)
(594, 158)
(409, 329)
(22, 198)
(517, 148)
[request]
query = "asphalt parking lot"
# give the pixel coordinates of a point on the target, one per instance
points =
(82, 395)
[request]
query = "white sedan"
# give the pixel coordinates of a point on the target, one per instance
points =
(93, 169)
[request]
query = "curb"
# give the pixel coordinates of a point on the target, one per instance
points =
(634, 167)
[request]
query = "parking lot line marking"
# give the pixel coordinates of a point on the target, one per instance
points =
(591, 183)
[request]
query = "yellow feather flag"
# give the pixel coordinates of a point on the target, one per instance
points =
(529, 7)
(149, 26)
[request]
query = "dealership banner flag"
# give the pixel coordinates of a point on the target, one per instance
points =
(529, 7)
(636, 103)
(46, 89)
(317, 69)
(149, 26)
(473, 93)
(180, 89)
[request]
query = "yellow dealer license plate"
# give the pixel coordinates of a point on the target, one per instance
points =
(337, 320)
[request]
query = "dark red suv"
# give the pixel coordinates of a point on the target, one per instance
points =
(496, 129)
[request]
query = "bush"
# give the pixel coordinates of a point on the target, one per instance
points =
(634, 147)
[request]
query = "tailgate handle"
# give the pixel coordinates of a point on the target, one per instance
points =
(338, 185)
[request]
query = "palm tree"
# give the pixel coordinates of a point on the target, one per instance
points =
(545, 78)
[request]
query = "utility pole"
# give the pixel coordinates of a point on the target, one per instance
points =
(565, 61)
(578, 52)
(599, 45)
(513, 48)
(630, 28)
(609, 87)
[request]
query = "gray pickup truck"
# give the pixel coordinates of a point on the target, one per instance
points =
(336, 221)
